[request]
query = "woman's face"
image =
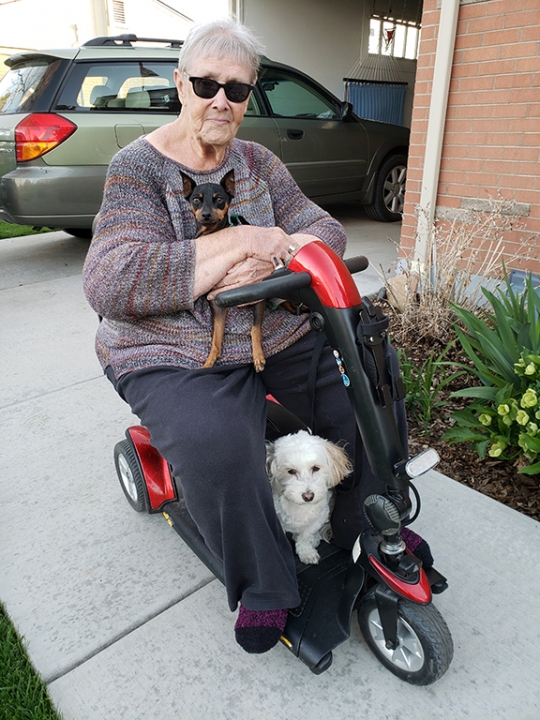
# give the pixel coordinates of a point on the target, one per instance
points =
(213, 121)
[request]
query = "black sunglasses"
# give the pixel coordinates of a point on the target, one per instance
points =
(205, 88)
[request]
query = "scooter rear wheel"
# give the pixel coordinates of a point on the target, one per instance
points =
(425, 648)
(130, 475)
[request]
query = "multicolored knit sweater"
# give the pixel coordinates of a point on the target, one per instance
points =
(139, 271)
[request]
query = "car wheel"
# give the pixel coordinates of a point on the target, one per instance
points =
(130, 475)
(83, 233)
(425, 648)
(389, 191)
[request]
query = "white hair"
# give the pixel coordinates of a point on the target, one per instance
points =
(222, 38)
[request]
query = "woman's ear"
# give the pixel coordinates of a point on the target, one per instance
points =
(179, 81)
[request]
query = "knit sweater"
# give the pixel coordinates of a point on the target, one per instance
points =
(139, 272)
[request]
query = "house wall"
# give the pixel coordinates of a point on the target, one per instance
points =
(323, 39)
(36, 24)
(491, 144)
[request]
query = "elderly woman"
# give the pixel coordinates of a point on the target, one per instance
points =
(150, 279)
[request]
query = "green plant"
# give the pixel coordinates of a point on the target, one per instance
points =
(424, 384)
(504, 347)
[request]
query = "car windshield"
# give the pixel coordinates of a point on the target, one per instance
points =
(22, 85)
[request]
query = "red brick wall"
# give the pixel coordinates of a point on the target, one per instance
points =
(491, 144)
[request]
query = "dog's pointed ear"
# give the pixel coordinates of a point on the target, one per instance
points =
(339, 464)
(189, 184)
(228, 183)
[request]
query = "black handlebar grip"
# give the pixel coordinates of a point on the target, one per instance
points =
(357, 264)
(279, 287)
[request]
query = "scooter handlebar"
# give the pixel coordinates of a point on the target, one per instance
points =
(357, 264)
(274, 286)
(280, 284)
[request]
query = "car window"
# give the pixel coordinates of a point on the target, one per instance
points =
(254, 106)
(23, 85)
(291, 96)
(120, 87)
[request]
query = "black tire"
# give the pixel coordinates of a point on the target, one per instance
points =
(83, 233)
(389, 190)
(130, 476)
(425, 647)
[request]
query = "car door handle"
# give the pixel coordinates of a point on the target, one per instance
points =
(294, 134)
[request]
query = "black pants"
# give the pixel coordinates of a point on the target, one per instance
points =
(210, 426)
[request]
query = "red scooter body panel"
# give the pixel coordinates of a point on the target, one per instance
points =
(331, 280)
(420, 592)
(155, 469)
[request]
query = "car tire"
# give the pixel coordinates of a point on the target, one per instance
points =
(83, 233)
(389, 191)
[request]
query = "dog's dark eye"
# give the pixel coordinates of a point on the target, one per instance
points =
(291, 471)
(196, 201)
(315, 468)
(220, 202)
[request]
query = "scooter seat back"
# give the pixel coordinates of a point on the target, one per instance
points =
(280, 421)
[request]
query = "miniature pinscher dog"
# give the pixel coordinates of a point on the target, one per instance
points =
(209, 203)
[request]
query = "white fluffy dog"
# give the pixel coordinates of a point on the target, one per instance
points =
(303, 469)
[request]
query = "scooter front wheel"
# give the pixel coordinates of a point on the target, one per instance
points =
(130, 475)
(425, 648)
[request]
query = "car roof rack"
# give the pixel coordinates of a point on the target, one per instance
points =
(128, 40)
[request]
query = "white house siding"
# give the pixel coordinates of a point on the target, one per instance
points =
(40, 24)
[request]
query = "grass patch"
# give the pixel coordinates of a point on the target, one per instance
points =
(9, 230)
(23, 695)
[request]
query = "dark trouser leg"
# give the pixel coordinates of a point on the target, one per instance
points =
(209, 425)
(286, 377)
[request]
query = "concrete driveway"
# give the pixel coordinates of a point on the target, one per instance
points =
(123, 622)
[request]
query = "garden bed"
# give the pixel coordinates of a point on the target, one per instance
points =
(497, 479)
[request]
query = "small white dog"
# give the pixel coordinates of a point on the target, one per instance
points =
(303, 469)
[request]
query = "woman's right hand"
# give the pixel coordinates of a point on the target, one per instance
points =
(267, 244)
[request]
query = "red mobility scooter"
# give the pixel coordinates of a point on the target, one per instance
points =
(381, 580)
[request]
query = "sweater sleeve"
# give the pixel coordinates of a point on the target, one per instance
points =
(293, 211)
(139, 262)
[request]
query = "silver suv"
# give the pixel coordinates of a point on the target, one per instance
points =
(64, 114)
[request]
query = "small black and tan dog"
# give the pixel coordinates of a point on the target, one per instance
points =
(209, 203)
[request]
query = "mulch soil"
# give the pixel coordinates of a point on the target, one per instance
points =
(497, 479)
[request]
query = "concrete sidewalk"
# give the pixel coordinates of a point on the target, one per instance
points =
(124, 622)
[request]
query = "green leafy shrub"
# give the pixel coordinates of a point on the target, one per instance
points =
(424, 385)
(503, 345)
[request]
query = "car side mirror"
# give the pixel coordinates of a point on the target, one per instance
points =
(346, 110)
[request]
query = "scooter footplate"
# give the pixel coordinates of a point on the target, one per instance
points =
(322, 620)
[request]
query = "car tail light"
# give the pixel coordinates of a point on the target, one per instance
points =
(39, 133)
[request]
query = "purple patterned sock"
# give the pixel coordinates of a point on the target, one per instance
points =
(418, 546)
(257, 631)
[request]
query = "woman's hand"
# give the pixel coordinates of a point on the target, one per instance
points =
(249, 252)
(243, 273)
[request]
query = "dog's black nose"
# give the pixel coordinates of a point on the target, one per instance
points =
(308, 496)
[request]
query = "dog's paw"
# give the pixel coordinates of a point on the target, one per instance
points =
(259, 363)
(309, 556)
